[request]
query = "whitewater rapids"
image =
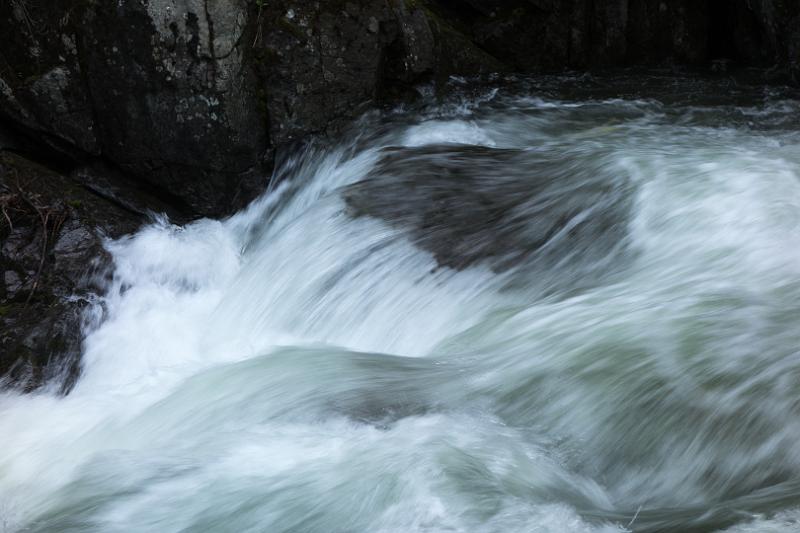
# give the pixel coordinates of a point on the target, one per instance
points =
(553, 307)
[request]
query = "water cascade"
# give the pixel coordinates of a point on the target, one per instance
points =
(519, 309)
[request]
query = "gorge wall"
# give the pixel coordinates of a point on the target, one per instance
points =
(179, 106)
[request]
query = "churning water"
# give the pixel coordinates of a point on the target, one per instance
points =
(560, 306)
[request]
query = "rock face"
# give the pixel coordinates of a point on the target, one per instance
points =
(175, 97)
(159, 89)
(192, 97)
(320, 61)
(181, 105)
(777, 38)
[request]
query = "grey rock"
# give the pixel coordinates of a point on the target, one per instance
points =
(473, 204)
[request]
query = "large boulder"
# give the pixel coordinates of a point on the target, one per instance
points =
(172, 97)
(158, 88)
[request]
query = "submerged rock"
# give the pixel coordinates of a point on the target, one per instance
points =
(508, 208)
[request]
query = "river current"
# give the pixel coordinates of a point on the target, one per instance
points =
(553, 305)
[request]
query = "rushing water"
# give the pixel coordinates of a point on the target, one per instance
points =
(557, 306)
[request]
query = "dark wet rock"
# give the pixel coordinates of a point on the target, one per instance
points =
(172, 98)
(507, 208)
(129, 194)
(41, 79)
(52, 262)
(193, 97)
(765, 32)
(321, 62)
(317, 62)
(159, 89)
